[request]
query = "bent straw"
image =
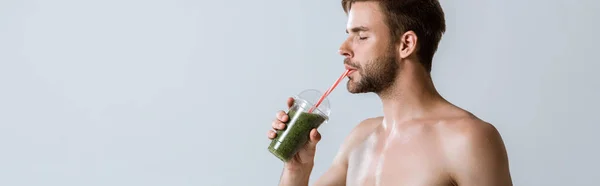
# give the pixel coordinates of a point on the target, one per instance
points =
(329, 90)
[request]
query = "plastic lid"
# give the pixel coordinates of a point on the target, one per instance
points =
(311, 96)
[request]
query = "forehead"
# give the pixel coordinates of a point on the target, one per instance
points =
(365, 14)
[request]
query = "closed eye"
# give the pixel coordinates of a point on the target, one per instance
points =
(358, 30)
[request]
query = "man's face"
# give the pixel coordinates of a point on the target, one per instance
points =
(368, 50)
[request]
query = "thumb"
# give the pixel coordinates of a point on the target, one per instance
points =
(315, 137)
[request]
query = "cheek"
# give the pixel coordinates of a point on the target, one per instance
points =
(362, 64)
(364, 57)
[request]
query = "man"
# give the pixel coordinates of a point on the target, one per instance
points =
(421, 139)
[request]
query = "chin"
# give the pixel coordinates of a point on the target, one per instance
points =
(352, 88)
(356, 91)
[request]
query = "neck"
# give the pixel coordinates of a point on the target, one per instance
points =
(411, 96)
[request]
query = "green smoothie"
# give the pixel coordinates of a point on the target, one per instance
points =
(295, 135)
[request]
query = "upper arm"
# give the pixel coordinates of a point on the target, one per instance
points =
(479, 157)
(336, 174)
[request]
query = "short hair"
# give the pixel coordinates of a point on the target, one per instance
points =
(424, 17)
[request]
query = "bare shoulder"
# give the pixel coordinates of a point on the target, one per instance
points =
(355, 137)
(336, 174)
(366, 127)
(468, 128)
(360, 132)
(469, 133)
(475, 151)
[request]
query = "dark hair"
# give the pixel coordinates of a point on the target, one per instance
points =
(424, 17)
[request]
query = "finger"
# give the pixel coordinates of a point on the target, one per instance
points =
(290, 102)
(315, 137)
(277, 125)
(271, 134)
(282, 116)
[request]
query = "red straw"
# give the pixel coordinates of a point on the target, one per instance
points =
(329, 90)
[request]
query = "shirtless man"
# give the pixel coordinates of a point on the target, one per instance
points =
(421, 139)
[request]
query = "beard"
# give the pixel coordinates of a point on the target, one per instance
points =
(377, 75)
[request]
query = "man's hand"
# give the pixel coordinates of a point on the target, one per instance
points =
(297, 170)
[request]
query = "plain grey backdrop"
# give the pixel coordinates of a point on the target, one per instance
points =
(182, 92)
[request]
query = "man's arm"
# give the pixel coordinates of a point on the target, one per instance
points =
(299, 174)
(293, 177)
(479, 157)
(336, 174)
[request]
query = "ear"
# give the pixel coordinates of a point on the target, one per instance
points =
(408, 44)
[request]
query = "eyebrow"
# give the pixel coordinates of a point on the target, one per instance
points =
(358, 29)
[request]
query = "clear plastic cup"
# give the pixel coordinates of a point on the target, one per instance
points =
(300, 123)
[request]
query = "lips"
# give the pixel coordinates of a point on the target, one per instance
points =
(348, 67)
(351, 71)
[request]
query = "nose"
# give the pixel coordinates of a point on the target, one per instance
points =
(345, 50)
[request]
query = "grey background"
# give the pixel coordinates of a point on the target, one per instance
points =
(172, 92)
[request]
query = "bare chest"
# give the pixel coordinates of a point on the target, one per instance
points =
(397, 160)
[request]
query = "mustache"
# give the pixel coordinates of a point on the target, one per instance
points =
(347, 62)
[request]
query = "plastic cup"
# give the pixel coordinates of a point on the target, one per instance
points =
(300, 123)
